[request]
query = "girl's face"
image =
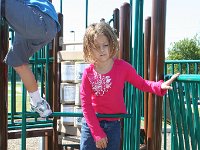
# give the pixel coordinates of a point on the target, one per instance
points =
(101, 52)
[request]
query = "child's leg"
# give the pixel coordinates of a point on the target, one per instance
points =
(25, 20)
(112, 130)
(18, 58)
(87, 142)
(38, 104)
(27, 78)
(33, 30)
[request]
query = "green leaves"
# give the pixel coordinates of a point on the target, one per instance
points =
(186, 49)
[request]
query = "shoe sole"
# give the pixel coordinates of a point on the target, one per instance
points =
(47, 113)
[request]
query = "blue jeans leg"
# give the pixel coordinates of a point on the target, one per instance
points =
(87, 142)
(112, 130)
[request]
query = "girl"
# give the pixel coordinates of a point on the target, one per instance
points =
(102, 88)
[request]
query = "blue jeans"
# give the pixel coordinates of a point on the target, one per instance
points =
(112, 130)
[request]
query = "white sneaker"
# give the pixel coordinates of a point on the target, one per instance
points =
(42, 108)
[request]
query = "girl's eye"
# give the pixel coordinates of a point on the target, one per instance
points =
(106, 45)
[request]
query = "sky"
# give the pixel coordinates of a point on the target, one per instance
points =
(182, 17)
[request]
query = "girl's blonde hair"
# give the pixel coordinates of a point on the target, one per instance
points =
(92, 32)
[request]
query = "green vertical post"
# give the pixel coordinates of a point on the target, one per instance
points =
(60, 6)
(139, 71)
(47, 72)
(136, 28)
(23, 135)
(86, 13)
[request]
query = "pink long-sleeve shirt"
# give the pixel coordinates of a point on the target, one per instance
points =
(103, 93)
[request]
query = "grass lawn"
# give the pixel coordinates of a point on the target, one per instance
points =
(18, 98)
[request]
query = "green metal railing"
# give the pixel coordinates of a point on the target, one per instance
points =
(186, 67)
(182, 66)
(184, 105)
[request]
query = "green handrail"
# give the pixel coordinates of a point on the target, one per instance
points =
(182, 66)
(185, 119)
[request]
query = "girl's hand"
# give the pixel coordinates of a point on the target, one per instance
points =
(166, 85)
(102, 143)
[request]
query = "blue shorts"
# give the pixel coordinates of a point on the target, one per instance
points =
(112, 130)
(33, 30)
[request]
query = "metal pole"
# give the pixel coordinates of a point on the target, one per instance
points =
(153, 60)
(161, 13)
(156, 73)
(58, 42)
(147, 38)
(86, 14)
(116, 20)
(3, 85)
(124, 53)
(60, 6)
(124, 32)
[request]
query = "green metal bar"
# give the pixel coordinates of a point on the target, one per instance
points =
(178, 121)
(40, 61)
(61, 6)
(139, 70)
(186, 77)
(196, 68)
(187, 120)
(34, 122)
(181, 68)
(165, 112)
(183, 116)
(181, 61)
(189, 114)
(47, 72)
(70, 114)
(56, 114)
(34, 65)
(173, 68)
(126, 121)
(130, 97)
(165, 121)
(132, 121)
(133, 61)
(32, 126)
(13, 94)
(196, 114)
(174, 143)
(23, 136)
(86, 13)
(136, 28)
(189, 78)
(186, 66)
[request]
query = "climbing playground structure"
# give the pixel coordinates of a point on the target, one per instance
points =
(150, 118)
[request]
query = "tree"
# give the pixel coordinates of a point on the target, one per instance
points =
(186, 49)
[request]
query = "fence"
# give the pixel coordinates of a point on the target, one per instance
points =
(184, 111)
